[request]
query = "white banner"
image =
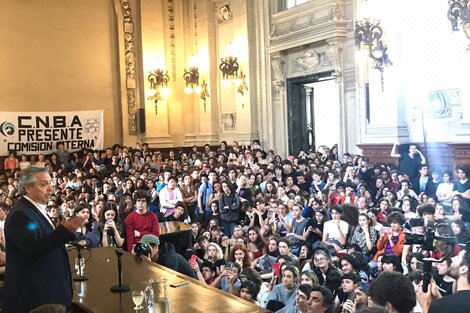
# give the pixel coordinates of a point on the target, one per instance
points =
(39, 132)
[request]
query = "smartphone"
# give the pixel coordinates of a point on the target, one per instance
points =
(276, 269)
(229, 266)
(386, 230)
(352, 296)
(193, 259)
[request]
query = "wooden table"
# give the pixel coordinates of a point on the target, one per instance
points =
(95, 296)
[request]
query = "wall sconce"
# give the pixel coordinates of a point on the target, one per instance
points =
(229, 66)
(191, 76)
(459, 10)
(159, 86)
(242, 86)
(204, 93)
(368, 35)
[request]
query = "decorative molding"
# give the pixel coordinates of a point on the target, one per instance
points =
(195, 19)
(337, 11)
(335, 53)
(313, 21)
(228, 121)
(442, 101)
(261, 60)
(309, 61)
(382, 131)
(278, 77)
(224, 13)
(171, 29)
(349, 79)
(129, 58)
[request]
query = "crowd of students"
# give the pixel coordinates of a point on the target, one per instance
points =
(309, 233)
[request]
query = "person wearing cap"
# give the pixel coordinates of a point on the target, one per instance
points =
(164, 254)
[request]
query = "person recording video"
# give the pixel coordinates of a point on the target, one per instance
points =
(458, 301)
(150, 248)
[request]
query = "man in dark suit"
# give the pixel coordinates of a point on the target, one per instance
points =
(37, 270)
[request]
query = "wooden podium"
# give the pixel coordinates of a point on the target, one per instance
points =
(94, 294)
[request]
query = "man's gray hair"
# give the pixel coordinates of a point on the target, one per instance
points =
(28, 177)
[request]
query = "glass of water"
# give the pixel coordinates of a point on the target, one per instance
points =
(138, 298)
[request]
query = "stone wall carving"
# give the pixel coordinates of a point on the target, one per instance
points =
(129, 58)
(224, 13)
(309, 61)
(442, 101)
(171, 32)
(278, 76)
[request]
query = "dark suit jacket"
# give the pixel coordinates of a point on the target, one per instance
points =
(37, 270)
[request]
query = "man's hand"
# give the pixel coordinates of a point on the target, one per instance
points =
(349, 306)
(232, 278)
(195, 267)
(424, 298)
(73, 223)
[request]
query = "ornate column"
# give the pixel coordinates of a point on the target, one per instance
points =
(278, 107)
(335, 52)
(308, 110)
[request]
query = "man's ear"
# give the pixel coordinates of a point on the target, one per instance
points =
(463, 271)
(390, 307)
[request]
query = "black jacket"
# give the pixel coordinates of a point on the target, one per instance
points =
(38, 270)
(169, 258)
(229, 207)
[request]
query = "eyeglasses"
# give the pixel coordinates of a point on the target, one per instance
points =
(320, 259)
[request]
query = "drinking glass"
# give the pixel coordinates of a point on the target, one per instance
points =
(79, 263)
(138, 298)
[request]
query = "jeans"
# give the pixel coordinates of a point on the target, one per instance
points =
(228, 227)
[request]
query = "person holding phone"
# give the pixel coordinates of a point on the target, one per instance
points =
(345, 300)
(112, 234)
(391, 239)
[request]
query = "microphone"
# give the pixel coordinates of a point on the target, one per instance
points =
(110, 234)
(120, 288)
(79, 244)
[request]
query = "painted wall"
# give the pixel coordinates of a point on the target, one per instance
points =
(426, 89)
(60, 56)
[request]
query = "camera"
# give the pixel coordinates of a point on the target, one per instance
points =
(142, 249)
(427, 241)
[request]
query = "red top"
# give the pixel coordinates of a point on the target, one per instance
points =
(10, 163)
(145, 224)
